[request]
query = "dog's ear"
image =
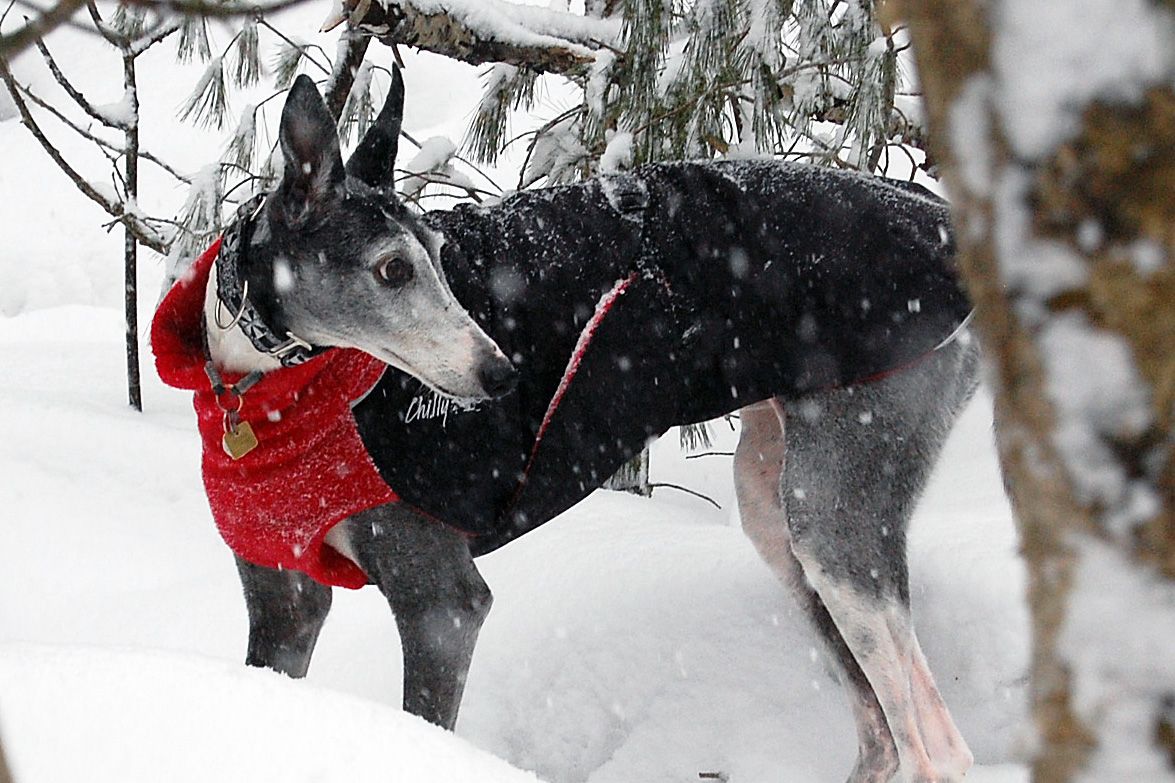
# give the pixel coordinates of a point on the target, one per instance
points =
(314, 170)
(374, 160)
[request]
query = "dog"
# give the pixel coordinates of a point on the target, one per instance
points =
(385, 395)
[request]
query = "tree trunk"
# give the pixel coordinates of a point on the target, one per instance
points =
(131, 245)
(5, 773)
(1066, 243)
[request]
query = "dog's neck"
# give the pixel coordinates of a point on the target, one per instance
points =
(230, 349)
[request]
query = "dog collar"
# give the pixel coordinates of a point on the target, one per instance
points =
(233, 294)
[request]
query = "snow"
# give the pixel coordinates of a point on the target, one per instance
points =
(1119, 686)
(136, 715)
(525, 25)
(120, 113)
(618, 154)
(1034, 269)
(630, 639)
(429, 163)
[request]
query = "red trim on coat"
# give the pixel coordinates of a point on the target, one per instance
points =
(603, 307)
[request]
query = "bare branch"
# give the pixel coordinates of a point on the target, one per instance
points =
(144, 233)
(146, 42)
(687, 490)
(75, 93)
(85, 134)
(215, 9)
(49, 20)
(15, 43)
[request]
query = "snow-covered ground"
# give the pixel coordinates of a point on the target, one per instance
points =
(631, 639)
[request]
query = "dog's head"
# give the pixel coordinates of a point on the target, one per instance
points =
(338, 260)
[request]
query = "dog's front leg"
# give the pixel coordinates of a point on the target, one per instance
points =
(439, 599)
(286, 612)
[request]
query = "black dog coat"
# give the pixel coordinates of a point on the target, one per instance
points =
(672, 295)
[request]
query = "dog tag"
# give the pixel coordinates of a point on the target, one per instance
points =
(240, 442)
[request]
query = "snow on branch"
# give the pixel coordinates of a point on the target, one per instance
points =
(485, 31)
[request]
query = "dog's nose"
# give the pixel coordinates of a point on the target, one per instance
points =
(498, 377)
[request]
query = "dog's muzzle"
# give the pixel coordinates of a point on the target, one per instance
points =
(497, 376)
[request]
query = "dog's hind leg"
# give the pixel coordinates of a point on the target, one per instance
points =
(758, 467)
(439, 599)
(286, 612)
(857, 460)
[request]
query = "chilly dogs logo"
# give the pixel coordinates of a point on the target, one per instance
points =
(430, 405)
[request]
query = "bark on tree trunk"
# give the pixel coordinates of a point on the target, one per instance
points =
(131, 245)
(5, 773)
(1099, 197)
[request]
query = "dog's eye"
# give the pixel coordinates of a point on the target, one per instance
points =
(394, 272)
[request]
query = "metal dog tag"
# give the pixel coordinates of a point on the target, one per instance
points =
(239, 442)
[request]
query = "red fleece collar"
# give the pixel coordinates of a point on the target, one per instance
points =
(275, 505)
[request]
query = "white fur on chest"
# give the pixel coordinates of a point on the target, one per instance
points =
(230, 349)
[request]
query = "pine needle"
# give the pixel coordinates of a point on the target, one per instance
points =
(193, 40)
(243, 144)
(128, 20)
(695, 436)
(208, 103)
(198, 221)
(507, 88)
(287, 61)
(359, 109)
(247, 69)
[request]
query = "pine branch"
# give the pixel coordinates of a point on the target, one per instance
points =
(248, 69)
(487, 31)
(208, 103)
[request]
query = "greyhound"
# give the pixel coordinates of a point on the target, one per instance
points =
(823, 305)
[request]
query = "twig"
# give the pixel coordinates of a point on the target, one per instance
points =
(75, 93)
(145, 234)
(710, 454)
(15, 43)
(441, 178)
(165, 29)
(687, 490)
(147, 156)
(303, 48)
